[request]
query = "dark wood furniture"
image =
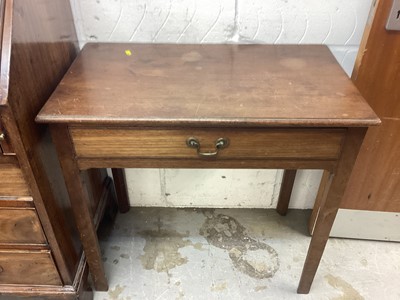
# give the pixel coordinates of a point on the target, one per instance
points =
(41, 255)
(375, 183)
(208, 106)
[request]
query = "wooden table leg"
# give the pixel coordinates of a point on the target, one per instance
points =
(286, 191)
(330, 206)
(121, 190)
(324, 185)
(79, 198)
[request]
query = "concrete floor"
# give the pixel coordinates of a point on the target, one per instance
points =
(168, 253)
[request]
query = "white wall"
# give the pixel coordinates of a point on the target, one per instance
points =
(337, 23)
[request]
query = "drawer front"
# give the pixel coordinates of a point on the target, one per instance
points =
(172, 143)
(28, 267)
(12, 182)
(20, 226)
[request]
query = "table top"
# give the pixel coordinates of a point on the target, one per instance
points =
(207, 85)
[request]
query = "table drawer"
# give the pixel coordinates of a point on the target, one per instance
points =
(20, 226)
(172, 143)
(28, 267)
(12, 182)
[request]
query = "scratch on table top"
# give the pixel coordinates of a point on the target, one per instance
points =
(197, 109)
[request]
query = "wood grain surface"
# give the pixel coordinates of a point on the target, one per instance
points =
(12, 182)
(28, 267)
(20, 226)
(375, 182)
(243, 143)
(205, 85)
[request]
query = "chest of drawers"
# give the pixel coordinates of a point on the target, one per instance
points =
(41, 256)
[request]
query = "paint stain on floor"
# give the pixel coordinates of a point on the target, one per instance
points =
(161, 249)
(116, 292)
(349, 293)
(260, 288)
(218, 287)
(364, 262)
(251, 257)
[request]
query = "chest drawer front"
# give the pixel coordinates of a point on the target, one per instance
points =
(172, 143)
(28, 267)
(12, 182)
(20, 226)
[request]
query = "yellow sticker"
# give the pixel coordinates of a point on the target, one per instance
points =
(128, 52)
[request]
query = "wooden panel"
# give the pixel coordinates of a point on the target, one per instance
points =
(377, 73)
(248, 144)
(206, 85)
(20, 226)
(12, 182)
(375, 184)
(28, 267)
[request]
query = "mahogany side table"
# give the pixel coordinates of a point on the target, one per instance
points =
(208, 106)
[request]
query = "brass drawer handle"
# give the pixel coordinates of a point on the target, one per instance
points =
(220, 143)
(2, 137)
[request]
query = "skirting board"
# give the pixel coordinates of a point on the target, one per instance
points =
(369, 225)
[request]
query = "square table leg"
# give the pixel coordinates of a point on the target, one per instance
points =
(79, 198)
(121, 189)
(330, 206)
(286, 191)
(323, 189)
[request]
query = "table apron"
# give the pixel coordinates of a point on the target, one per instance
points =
(88, 163)
(293, 148)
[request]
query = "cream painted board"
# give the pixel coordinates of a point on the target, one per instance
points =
(368, 225)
